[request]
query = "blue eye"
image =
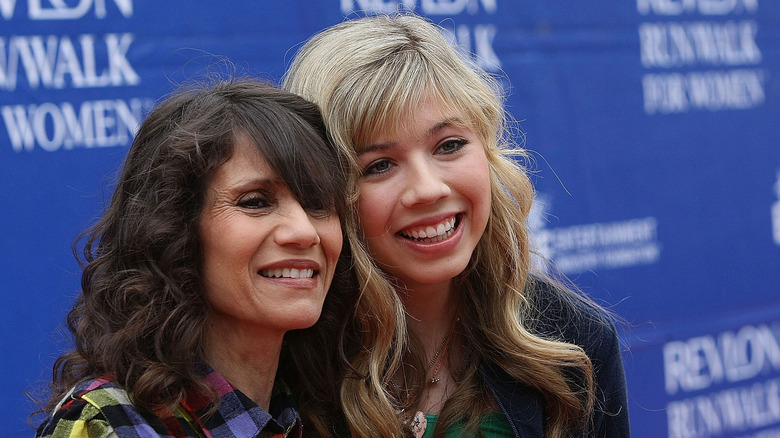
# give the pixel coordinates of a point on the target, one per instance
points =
(377, 167)
(451, 146)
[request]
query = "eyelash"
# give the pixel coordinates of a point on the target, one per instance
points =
(371, 168)
(260, 201)
(458, 144)
(254, 201)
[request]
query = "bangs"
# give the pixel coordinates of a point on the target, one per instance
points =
(301, 157)
(380, 110)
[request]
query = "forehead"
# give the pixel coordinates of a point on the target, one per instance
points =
(419, 119)
(245, 162)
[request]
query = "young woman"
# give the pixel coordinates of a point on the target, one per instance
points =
(454, 330)
(223, 234)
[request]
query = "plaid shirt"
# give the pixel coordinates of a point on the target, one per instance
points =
(100, 408)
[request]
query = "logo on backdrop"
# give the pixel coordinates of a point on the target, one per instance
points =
(700, 55)
(704, 369)
(47, 64)
(605, 245)
(58, 10)
(475, 39)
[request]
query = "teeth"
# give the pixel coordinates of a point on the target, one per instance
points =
(288, 273)
(431, 234)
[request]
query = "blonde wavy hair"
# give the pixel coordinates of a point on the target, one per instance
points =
(367, 75)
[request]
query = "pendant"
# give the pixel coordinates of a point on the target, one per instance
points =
(418, 425)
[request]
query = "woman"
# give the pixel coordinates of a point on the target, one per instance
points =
(222, 235)
(471, 339)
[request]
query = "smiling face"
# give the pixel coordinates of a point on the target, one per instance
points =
(424, 197)
(267, 263)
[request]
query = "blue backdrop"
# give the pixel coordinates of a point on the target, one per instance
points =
(653, 125)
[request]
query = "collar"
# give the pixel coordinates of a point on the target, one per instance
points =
(239, 416)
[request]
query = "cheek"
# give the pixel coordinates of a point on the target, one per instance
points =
(374, 210)
(476, 187)
(481, 184)
(332, 241)
(225, 243)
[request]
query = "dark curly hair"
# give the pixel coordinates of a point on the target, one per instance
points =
(141, 312)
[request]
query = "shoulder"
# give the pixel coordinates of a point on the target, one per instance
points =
(99, 408)
(560, 314)
(81, 411)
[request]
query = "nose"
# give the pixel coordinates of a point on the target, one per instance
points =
(424, 184)
(296, 228)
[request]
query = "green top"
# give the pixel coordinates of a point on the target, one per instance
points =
(494, 425)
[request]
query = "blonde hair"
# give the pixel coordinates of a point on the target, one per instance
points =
(367, 75)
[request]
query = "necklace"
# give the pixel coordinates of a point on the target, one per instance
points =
(439, 354)
(419, 423)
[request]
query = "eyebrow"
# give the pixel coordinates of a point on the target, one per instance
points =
(431, 132)
(257, 182)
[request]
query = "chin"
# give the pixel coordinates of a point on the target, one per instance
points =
(304, 319)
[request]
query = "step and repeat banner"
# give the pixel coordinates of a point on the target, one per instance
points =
(654, 128)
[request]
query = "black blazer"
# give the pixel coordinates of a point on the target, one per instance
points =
(567, 319)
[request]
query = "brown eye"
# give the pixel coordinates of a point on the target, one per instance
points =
(254, 201)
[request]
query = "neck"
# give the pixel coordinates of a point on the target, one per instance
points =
(430, 312)
(248, 359)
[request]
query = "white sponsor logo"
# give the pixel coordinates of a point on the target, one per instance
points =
(473, 40)
(677, 47)
(99, 123)
(482, 36)
(62, 10)
(428, 7)
(702, 7)
(594, 246)
(57, 62)
(699, 363)
(714, 90)
(667, 45)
